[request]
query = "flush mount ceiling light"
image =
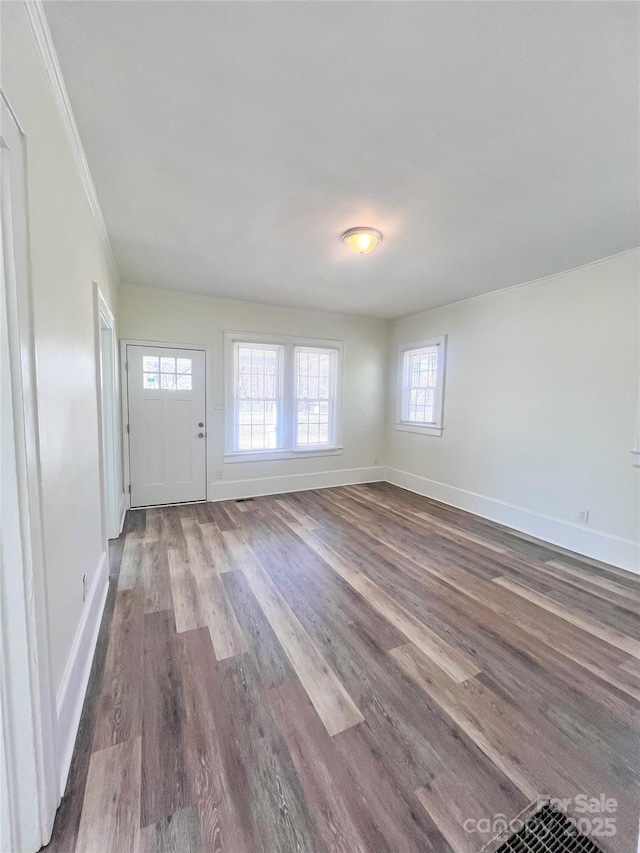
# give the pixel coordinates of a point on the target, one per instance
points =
(361, 240)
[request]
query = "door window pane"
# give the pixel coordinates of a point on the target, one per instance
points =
(150, 363)
(167, 374)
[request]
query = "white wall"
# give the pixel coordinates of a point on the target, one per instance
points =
(153, 314)
(540, 401)
(67, 255)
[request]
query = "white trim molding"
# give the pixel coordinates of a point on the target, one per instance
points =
(73, 687)
(229, 490)
(124, 506)
(27, 699)
(42, 34)
(614, 550)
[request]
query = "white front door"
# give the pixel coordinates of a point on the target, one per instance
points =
(167, 433)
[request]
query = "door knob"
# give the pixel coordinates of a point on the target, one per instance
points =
(200, 424)
(200, 435)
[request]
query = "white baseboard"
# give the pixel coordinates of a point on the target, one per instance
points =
(229, 490)
(614, 550)
(124, 506)
(73, 687)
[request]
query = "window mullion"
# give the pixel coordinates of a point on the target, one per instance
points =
(287, 433)
(236, 397)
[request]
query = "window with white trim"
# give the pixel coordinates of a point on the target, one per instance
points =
(283, 396)
(315, 370)
(421, 385)
(258, 382)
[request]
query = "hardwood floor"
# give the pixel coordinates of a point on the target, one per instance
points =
(351, 669)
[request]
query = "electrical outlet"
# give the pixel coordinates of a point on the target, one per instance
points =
(583, 516)
(219, 474)
(218, 406)
(84, 588)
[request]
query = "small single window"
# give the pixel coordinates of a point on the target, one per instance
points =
(421, 374)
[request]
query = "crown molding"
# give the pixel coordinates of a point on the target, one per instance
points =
(631, 251)
(42, 34)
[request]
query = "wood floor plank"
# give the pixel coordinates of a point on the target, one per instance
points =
(335, 707)
(153, 527)
(164, 786)
(405, 827)
(275, 795)
(452, 806)
(609, 635)
(153, 578)
(220, 515)
(172, 536)
(277, 547)
(518, 743)
(272, 662)
(450, 530)
(130, 565)
(301, 517)
(184, 588)
(226, 635)
(430, 520)
(457, 665)
(110, 821)
(215, 547)
(119, 714)
(579, 588)
(218, 777)
(135, 521)
(347, 824)
(588, 651)
(626, 592)
(180, 833)
(632, 666)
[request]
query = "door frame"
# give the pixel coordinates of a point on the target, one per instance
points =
(31, 780)
(124, 384)
(107, 385)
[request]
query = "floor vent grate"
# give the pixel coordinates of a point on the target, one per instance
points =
(548, 831)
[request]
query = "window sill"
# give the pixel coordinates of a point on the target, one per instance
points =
(419, 428)
(274, 455)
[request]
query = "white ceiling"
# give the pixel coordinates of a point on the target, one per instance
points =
(231, 143)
